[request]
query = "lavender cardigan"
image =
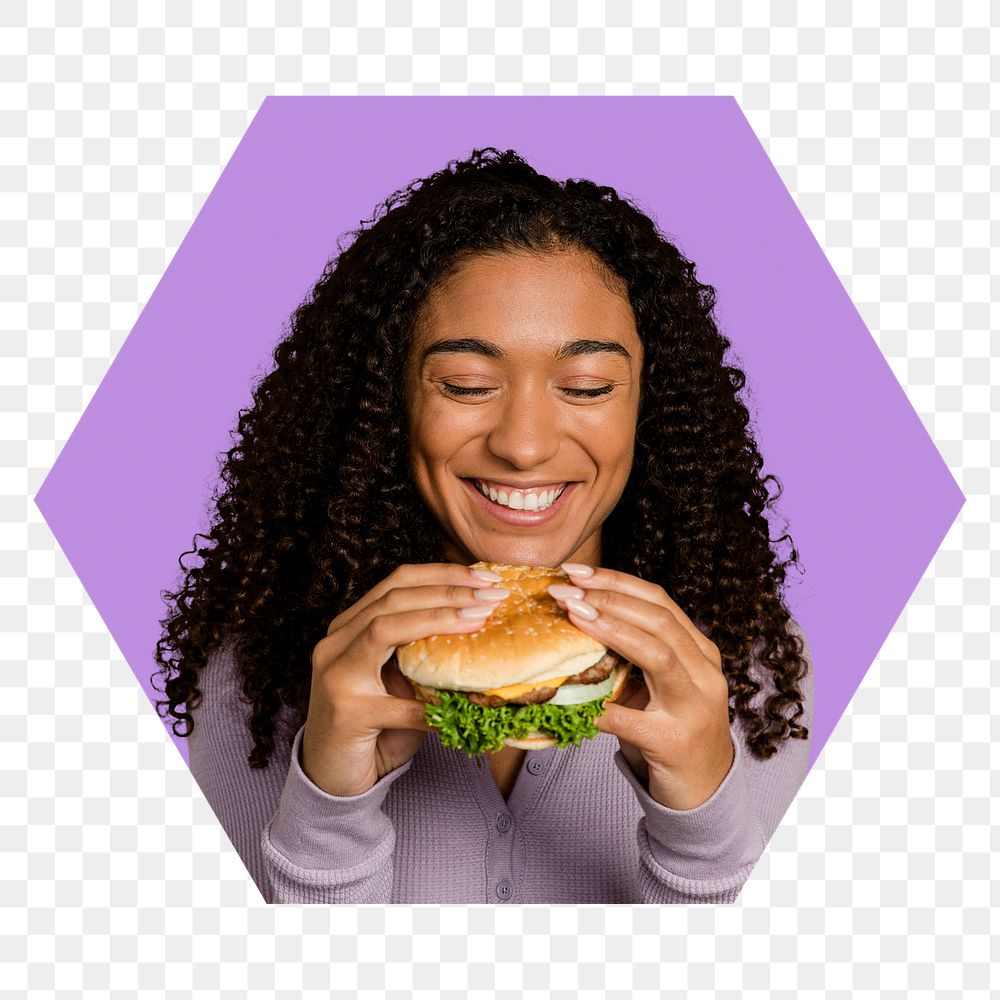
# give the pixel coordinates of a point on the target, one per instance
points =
(578, 826)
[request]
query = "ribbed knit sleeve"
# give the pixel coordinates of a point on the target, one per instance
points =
(299, 844)
(322, 848)
(705, 854)
(697, 855)
(242, 798)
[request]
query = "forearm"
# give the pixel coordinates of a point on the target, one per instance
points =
(703, 854)
(326, 848)
(368, 882)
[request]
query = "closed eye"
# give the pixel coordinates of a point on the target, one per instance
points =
(461, 390)
(602, 391)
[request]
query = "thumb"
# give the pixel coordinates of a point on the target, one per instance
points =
(400, 713)
(632, 754)
(627, 724)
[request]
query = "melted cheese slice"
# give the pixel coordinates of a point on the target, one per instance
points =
(516, 690)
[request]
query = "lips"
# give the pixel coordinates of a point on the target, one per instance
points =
(520, 518)
(520, 498)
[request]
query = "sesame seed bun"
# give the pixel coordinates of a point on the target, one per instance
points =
(527, 639)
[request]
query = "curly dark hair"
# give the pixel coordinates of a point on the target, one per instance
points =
(316, 505)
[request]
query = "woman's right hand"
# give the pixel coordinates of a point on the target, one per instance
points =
(363, 720)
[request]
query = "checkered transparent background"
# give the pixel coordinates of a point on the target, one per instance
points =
(115, 876)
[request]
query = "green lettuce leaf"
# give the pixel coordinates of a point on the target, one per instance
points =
(463, 725)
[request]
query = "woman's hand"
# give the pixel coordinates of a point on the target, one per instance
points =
(363, 720)
(674, 728)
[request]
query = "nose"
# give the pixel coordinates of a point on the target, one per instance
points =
(526, 432)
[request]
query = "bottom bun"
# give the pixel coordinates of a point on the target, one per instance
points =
(539, 741)
(533, 741)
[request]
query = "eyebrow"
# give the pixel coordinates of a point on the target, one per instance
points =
(571, 349)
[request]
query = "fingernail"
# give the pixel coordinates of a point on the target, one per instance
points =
(560, 591)
(495, 594)
(582, 608)
(578, 569)
(475, 614)
(487, 574)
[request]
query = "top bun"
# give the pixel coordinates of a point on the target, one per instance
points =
(528, 638)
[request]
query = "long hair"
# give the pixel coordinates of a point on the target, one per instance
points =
(316, 505)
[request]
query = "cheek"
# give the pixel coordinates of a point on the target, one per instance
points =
(436, 434)
(614, 443)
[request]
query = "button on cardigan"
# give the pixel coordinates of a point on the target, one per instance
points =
(578, 826)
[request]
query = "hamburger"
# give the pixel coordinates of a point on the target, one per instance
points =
(529, 678)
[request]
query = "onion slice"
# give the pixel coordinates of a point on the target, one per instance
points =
(579, 694)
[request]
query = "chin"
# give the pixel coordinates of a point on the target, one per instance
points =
(518, 555)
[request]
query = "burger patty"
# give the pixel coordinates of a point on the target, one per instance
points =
(491, 700)
(600, 671)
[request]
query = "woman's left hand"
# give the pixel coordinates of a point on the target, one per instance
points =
(674, 728)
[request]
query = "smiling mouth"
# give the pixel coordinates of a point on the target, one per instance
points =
(534, 499)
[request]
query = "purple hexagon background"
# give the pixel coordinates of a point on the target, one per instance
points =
(867, 496)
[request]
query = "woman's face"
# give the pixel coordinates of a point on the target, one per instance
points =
(532, 336)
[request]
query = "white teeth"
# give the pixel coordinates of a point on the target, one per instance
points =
(520, 501)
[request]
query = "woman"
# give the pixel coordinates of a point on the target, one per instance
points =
(493, 340)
